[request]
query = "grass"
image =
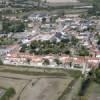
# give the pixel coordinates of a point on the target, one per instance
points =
(34, 73)
(93, 91)
(67, 90)
(42, 71)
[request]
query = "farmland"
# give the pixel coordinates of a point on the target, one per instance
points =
(36, 86)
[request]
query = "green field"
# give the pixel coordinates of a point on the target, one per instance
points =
(93, 92)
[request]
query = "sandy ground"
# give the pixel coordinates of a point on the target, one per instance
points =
(45, 89)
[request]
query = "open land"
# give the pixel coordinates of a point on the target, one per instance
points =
(35, 87)
(93, 92)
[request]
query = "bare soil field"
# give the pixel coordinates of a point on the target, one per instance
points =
(45, 89)
(18, 85)
(30, 87)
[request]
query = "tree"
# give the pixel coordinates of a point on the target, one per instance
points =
(98, 42)
(46, 62)
(97, 73)
(1, 63)
(28, 60)
(24, 46)
(83, 51)
(43, 20)
(58, 62)
(74, 41)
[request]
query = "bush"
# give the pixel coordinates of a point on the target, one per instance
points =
(1, 63)
(97, 73)
(85, 85)
(9, 93)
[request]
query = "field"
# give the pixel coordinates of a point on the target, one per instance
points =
(34, 87)
(45, 89)
(93, 92)
(17, 84)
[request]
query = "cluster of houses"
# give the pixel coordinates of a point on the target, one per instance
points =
(4, 50)
(64, 27)
(84, 64)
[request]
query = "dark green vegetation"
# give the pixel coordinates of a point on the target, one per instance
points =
(98, 39)
(43, 71)
(46, 72)
(93, 78)
(67, 90)
(62, 47)
(36, 73)
(97, 74)
(10, 92)
(93, 92)
(13, 26)
(1, 63)
(83, 52)
(47, 47)
(84, 86)
(7, 41)
(96, 7)
(95, 11)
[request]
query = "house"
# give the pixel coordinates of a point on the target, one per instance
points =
(38, 16)
(22, 59)
(84, 64)
(97, 54)
(8, 49)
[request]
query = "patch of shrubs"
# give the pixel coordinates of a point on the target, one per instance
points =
(8, 94)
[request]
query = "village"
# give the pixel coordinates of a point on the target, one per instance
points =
(49, 50)
(43, 27)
